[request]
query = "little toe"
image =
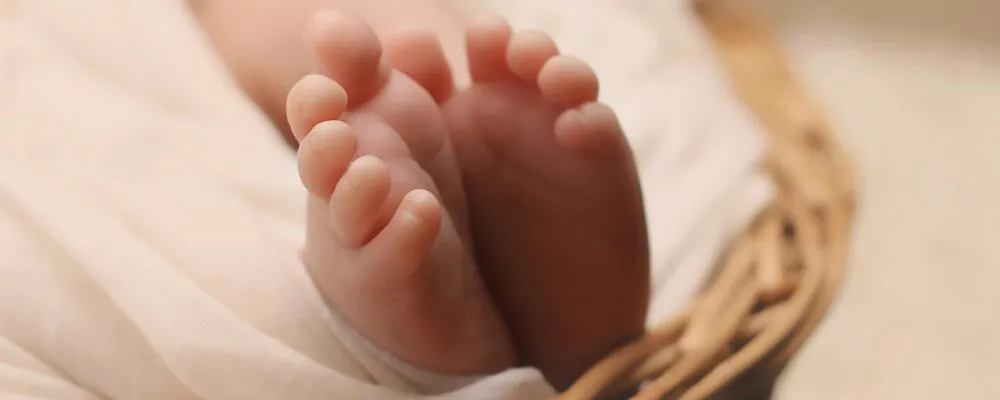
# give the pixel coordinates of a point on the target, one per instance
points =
(357, 200)
(314, 99)
(528, 52)
(349, 52)
(418, 54)
(406, 241)
(486, 47)
(324, 155)
(568, 81)
(592, 128)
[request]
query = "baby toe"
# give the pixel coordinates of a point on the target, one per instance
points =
(324, 155)
(314, 99)
(418, 54)
(486, 48)
(528, 52)
(406, 241)
(593, 128)
(568, 81)
(356, 202)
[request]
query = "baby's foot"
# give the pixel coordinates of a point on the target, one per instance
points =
(554, 201)
(381, 248)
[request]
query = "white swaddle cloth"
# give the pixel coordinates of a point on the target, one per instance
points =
(150, 218)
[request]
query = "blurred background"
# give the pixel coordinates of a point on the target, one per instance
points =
(913, 89)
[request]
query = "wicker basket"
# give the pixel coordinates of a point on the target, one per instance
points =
(777, 281)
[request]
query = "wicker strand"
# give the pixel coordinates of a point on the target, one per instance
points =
(602, 375)
(697, 360)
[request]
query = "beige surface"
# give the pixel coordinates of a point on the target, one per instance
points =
(914, 89)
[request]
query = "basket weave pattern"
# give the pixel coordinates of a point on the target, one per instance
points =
(777, 281)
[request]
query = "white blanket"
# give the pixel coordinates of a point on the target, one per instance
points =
(150, 218)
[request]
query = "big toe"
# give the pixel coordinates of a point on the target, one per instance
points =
(349, 52)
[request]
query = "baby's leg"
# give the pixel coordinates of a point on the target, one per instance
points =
(380, 246)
